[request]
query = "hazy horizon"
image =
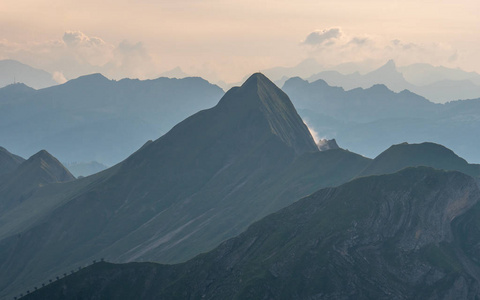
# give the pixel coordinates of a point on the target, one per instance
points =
(226, 40)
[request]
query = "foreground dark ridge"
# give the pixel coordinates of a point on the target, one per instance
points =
(412, 234)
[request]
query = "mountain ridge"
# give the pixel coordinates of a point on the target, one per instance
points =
(400, 235)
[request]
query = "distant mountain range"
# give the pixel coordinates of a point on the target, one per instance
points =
(409, 235)
(369, 120)
(451, 85)
(438, 84)
(12, 71)
(92, 118)
(206, 180)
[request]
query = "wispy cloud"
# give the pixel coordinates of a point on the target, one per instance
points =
(324, 37)
(333, 46)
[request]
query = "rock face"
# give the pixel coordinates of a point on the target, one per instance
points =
(325, 144)
(412, 234)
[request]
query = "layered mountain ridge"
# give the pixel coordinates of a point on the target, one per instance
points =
(92, 118)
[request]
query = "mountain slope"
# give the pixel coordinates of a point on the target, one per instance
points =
(8, 161)
(413, 234)
(204, 181)
(432, 155)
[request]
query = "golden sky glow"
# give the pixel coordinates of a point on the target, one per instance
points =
(228, 39)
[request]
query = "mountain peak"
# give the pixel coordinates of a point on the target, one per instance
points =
(390, 65)
(42, 154)
(259, 93)
(49, 164)
(89, 79)
(257, 78)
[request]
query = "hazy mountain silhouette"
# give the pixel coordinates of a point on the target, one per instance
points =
(412, 234)
(386, 74)
(448, 90)
(92, 118)
(369, 120)
(437, 84)
(8, 161)
(357, 105)
(425, 74)
(204, 181)
(13, 71)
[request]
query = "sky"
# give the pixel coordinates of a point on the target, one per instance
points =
(229, 39)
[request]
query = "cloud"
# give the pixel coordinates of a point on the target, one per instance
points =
(312, 131)
(79, 39)
(359, 41)
(77, 53)
(58, 77)
(133, 59)
(323, 37)
(332, 47)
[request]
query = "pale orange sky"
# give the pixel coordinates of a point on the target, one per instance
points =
(229, 39)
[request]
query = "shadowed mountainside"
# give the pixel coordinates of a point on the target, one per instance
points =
(413, 234)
